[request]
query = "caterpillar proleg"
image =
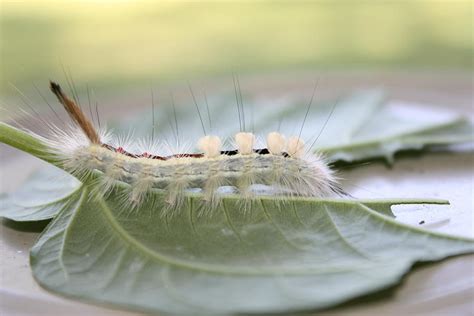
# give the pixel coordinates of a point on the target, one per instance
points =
(284, 166)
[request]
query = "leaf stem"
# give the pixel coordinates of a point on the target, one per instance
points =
(28, 143)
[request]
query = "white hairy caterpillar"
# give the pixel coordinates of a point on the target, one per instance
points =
(284, 165)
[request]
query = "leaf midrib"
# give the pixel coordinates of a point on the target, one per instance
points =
(222, 269)
(66, 232)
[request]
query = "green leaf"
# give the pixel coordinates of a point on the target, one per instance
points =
(452, 132)
(362, 127)
(303, 254)
(40, 197)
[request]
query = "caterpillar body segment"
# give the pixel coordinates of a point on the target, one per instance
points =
(208, 171)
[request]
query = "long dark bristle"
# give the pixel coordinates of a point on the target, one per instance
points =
(75, 113)
(56, 89)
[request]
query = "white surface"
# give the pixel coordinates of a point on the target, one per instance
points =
(439, 175)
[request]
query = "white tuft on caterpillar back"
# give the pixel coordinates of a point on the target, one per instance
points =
(284, 165)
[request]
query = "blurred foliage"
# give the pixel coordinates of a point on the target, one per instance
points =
(115, 42)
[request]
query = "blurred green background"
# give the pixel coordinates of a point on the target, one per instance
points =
(110, 43)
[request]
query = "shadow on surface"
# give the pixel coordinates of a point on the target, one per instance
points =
(30, 227)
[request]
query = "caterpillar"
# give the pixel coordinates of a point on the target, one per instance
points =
(284, 166)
